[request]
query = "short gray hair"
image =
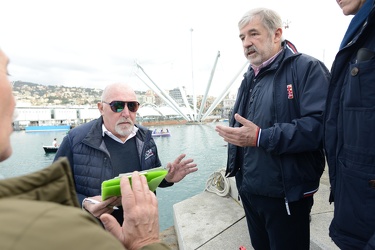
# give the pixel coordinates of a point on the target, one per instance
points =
(270, 19)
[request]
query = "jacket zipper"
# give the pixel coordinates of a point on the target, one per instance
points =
(287, 206)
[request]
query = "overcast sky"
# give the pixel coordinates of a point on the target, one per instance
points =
(92, 43)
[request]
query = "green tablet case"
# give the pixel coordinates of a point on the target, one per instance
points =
(112, 187)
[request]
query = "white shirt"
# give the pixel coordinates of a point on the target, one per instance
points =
(107, 132)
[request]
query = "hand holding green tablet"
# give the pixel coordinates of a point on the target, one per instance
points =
(154, 176)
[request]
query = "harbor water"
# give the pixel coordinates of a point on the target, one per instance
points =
(199, 142)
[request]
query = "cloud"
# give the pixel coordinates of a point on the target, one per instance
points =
(92, 43)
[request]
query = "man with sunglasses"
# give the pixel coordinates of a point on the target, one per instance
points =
(113, 144)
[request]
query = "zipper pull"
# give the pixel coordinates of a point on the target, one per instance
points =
(287, 206)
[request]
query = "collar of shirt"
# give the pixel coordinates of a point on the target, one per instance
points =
(264, 64)
(107, 132)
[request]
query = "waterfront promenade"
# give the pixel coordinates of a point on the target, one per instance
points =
(218, 220)
(208, 221)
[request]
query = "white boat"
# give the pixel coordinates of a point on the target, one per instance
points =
(161, 133)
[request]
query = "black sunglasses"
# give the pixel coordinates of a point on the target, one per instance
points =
(118, 106)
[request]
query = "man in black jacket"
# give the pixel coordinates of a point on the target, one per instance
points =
(275, 135)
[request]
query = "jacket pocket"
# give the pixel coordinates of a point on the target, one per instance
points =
(358, 130)
(355, 199)
(360, 88)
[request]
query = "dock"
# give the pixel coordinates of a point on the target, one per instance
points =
(208, 221)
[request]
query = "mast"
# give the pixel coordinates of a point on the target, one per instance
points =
(203, 103)
(192, 78)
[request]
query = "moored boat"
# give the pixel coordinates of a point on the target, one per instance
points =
(50, 149)
(47, 128)
(161, 133)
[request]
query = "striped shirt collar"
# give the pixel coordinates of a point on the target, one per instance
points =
(264, 64)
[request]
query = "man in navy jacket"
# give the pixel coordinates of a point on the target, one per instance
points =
(350, 130)
(275, 135)
(113, 144)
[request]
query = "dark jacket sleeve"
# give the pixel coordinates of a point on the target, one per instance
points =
(65, 151)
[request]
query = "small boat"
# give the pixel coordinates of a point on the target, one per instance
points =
(50, 149)
(161, 133)
(47, 128)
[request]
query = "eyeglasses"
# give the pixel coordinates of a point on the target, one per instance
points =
(118, 106)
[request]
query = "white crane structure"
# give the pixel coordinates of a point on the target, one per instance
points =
(188, 113)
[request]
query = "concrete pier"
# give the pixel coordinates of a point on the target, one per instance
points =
(208, 221)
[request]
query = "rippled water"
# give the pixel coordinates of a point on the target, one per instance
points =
(199, 142)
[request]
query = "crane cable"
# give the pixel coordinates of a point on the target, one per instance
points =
(217, 183)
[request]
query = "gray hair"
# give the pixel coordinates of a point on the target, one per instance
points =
(270, 19)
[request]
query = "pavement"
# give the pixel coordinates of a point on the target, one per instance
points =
(208, 221)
